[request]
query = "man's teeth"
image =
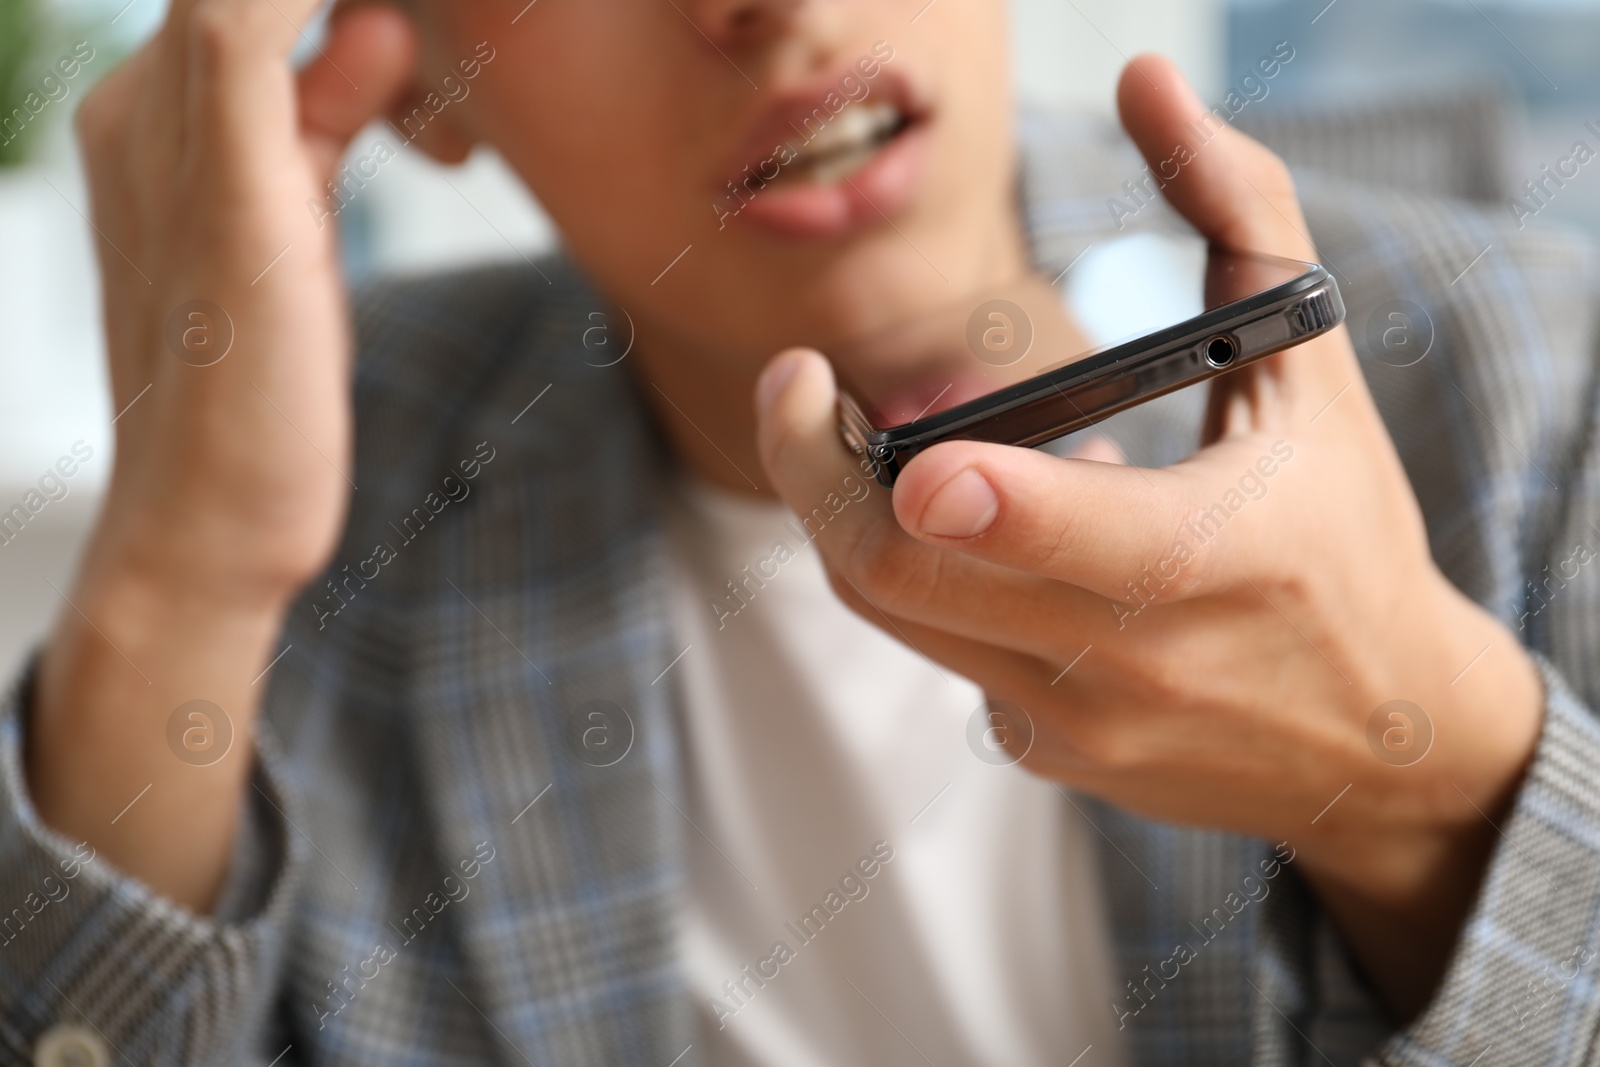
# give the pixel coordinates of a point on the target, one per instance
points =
(846, 143)
(856, 124)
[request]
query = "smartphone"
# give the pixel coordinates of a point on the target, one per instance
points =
(1132, 319)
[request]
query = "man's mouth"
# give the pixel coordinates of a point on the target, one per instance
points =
(820, 163)
(844, 145)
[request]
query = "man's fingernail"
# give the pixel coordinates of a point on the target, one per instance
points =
(965, 506)
(772, 381)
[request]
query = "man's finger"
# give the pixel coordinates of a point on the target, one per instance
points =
(798, 436)
(268, 27)
(876, 563)
(1113, 530)
(1231, 188)
(239, 88)
(367, 60)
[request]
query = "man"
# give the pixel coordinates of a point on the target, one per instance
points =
(489, 776)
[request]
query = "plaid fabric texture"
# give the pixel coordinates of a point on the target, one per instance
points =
(436, 872)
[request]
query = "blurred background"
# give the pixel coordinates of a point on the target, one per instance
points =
(1463, 98)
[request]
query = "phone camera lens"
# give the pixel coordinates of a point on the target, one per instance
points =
(1220, 351)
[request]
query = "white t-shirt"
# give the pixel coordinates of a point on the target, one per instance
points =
(863, 888)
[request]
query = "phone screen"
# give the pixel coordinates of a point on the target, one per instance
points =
(1115, 292)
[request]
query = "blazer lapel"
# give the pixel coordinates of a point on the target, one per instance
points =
(541, 740)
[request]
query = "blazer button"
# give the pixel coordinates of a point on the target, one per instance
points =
(66, 1045)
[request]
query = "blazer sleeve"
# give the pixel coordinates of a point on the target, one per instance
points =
(1521, 987)
(87, 949)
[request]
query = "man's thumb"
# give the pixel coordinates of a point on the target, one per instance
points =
(1232, 189)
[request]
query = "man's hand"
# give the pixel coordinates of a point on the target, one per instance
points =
(1234, 622)
(229, 355)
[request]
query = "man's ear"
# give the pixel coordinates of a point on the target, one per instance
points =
(431, 129)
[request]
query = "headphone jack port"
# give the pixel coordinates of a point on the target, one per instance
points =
(1220, 351)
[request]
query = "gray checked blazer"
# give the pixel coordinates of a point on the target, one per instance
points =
(433, 873)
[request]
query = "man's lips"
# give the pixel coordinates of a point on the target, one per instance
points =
(807, 170)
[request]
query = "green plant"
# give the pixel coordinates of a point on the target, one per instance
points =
(21, 35)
